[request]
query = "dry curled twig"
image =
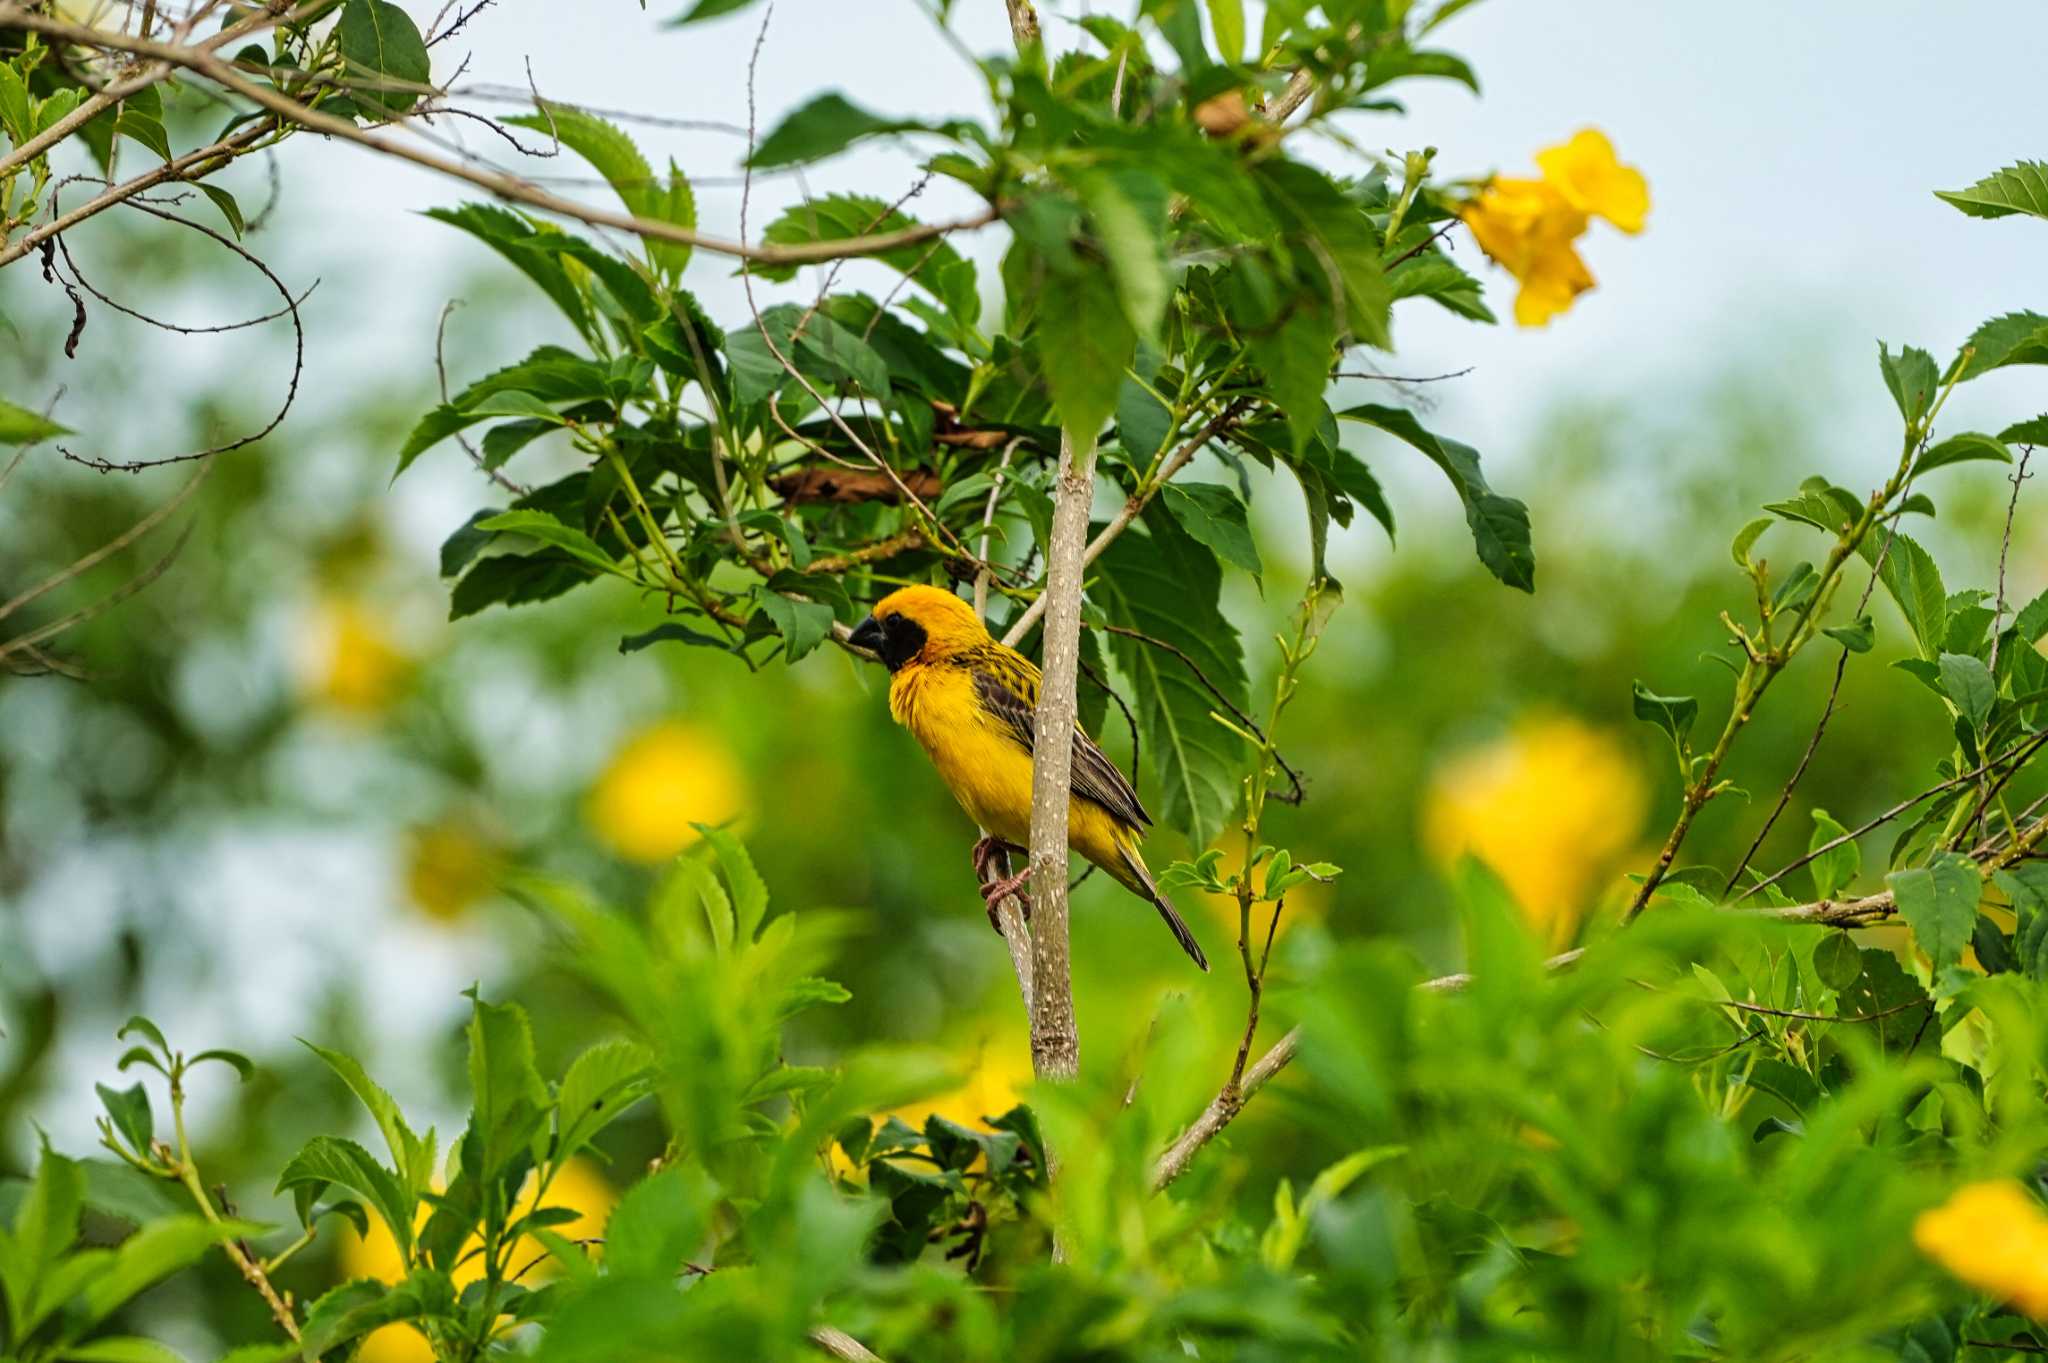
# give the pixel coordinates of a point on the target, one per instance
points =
(291, 390)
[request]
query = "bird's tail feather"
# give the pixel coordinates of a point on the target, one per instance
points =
(1141, 881)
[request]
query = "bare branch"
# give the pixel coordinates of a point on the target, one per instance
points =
(242, 140)
(1223, 1110)
(1055, 1040)
(838, 1343)
(93, 106)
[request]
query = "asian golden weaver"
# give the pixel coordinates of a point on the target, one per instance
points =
(972, 703)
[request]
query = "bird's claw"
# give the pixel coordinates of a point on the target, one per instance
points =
(996, 891)
(985, 851)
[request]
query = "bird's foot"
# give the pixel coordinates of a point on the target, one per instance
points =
(985, 851)
(996, 891)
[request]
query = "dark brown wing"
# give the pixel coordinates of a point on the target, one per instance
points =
(1006, 684)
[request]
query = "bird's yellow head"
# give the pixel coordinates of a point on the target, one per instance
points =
(919, 624)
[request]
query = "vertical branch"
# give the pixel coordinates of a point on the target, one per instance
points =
(1023, 22)
(1055, 1041)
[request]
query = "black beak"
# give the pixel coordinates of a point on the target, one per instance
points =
(868, 635)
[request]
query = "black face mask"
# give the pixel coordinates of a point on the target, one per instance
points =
(895, 640)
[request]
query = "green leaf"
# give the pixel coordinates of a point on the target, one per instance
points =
(1143, 422)
(1967, 682)
(1912, 379)
(379, 39)
(1958, 448)
(825, 352)
(2021, 187)
(749, 892)
(1440, 279)
(128, 1109)
(354, 1309)
(1832, 871)
(1837, 961)
(519, 241)
(829, 124)
(327, 1160)
(507, 1094)
(1884, 990)
(602, 143)
(156, 1251)
(1500, 525)
(670, 631)
(2032, 621)
(803, 625)
(614, 156)
(1128, 210)
(1673, 714)
(660, 1222)
(242, 1065)
(140, 119)
(1939, 902)
(2015, 338)
(225, 202)
(1165, 585)
(1084, 342)
(1226, 20)
(1745, 540)
(1858, 637)
(17, 110)
(933, 265)
(599, 1084)
(412, 1156)
(1296, 355)
(2034, 432)
(1914, 582)
(45, 1225)
(19, 426)
(538, 525)
(708, 9)
(1216, 516)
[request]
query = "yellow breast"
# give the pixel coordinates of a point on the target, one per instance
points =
(987, 770)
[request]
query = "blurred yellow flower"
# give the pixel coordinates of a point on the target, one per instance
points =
(997, 1069)
(665, 778)
(448, 867)
(1995, 1238)
(1530, 226)
(1001, 1071)
(353, 663)
(1552, 808)
(1586, 172)
(579, 1187)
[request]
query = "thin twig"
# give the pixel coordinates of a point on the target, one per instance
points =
(1834, 691)
(441, 373)
(988, 518)
(1293, 797)
(291, 388)
(2018, 755)
(840, 1344)
(110, 548)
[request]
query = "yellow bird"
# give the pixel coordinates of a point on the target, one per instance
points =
(971, 702)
